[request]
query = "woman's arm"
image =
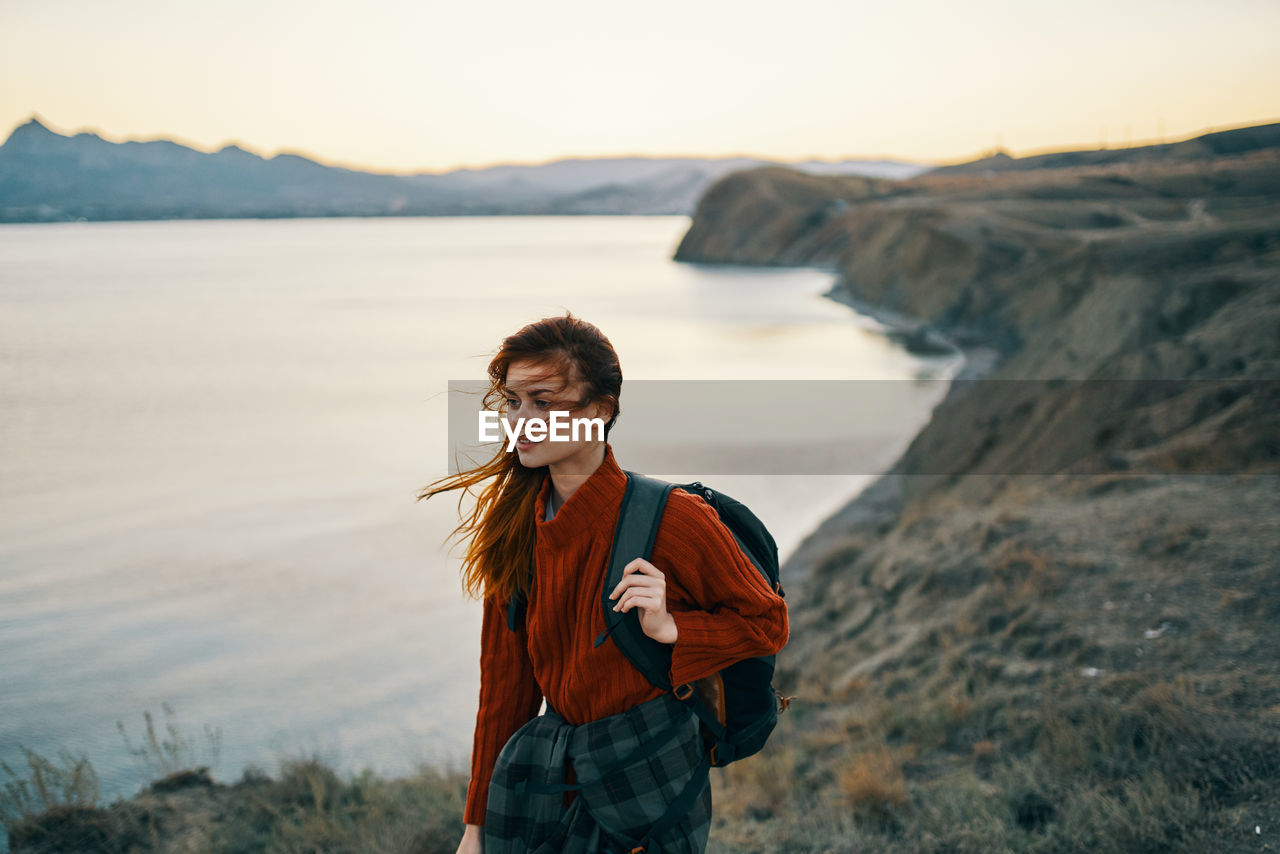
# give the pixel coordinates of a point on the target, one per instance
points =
(509, 698)
(723, 608)
(472, 840)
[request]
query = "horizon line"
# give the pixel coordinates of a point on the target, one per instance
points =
(881, 158)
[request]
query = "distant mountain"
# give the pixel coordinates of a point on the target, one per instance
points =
(47, 176)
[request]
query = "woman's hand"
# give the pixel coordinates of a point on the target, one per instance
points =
(472, 840)
(644, 586)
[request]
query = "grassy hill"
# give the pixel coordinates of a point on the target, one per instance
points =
(1051, 626)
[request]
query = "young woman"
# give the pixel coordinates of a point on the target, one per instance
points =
(549, 512)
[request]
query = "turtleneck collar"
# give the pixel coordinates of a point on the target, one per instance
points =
(600, 492)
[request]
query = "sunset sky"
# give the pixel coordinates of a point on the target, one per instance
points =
(421, 85)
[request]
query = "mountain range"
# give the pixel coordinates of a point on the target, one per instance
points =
(47, 176)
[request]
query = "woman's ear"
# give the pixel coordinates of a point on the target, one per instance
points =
(603, 410)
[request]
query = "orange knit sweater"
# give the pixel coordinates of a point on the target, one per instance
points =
(723, 609)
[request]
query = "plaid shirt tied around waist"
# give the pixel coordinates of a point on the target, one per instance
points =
(642, 782)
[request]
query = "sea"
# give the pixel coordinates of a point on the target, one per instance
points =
(213, 434)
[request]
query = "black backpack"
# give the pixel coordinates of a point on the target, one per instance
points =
(738, 706)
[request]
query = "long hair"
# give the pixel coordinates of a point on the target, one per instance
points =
(501, 529)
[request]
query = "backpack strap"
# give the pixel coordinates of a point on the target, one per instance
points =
(638, 519)
(643, 504)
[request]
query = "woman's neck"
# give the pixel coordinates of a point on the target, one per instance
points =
(568, 475)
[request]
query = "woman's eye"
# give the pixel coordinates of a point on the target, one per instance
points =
(514, 403)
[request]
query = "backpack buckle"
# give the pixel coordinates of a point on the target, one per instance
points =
(688, 691)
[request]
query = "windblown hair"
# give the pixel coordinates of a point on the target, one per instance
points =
(501, 530)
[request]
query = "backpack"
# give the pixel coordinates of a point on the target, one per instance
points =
(738, 706)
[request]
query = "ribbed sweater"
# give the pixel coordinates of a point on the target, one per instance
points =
(723, 609)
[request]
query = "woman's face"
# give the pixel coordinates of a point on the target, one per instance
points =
(533, 392)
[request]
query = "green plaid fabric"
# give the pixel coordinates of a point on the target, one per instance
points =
(629, 769)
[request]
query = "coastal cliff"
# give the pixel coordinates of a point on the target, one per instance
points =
(1051, 623)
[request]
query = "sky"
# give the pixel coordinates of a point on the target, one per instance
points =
(433, 85)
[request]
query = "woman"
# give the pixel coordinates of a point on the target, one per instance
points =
(555, 504)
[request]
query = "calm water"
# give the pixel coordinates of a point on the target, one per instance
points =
(213, 433)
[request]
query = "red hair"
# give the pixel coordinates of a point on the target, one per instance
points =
(501, 529)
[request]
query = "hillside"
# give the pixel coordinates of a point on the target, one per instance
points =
(1052, 625)
(1204, 147)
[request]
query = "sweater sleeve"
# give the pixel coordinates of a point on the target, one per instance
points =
(509, 698)
(724, 609)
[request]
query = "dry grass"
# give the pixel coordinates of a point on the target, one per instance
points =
(308, 808)
(69, 783)
(873, 781)
(1025, 573)
(757, 787)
